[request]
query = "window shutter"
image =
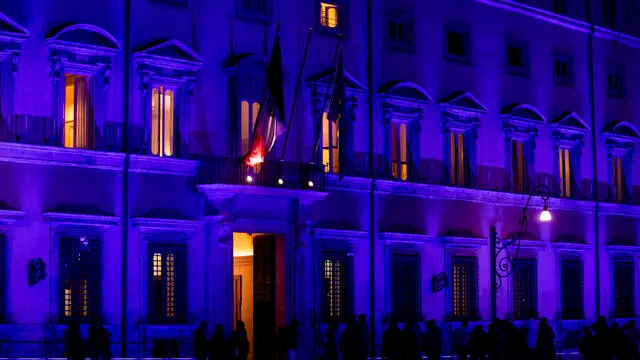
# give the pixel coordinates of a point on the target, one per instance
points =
(572, 290)
(405, 287)
(525, 288)
(81, 279)
(623, 289)
(465, 287)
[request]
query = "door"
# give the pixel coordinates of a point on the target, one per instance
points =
(264, 305)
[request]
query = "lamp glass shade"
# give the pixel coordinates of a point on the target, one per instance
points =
(545, 215)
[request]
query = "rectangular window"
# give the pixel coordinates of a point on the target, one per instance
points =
(525, 288)
(162, 121)
(610, 13)
(400, 32)
(617, 179)
(465, 287)
(559, 6)
(248, 115)
(457, 46)
(337, 291)
(517, 61)
(331, 17)
(564, 160)
(167, 283)
(405, 287)
(253, 9)
(330, 145)
(399, 165)
(615, 81)
(78, 127)
(624, 288)
(459, 164)
(563, 69)
(572, 289)
(80, 279)
(519, 166)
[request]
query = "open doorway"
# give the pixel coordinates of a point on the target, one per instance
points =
(259, 290)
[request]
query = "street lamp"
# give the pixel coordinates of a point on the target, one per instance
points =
(504, 258)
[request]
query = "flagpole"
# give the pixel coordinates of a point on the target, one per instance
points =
(326, 99)
(295, 94)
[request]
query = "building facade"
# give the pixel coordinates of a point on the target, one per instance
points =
(123, 199)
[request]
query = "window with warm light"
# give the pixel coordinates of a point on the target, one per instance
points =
(77, 116)
(399, 164)
(167, 270)
(617, 179)
(525, 288)
(80, 279)
(465, 287)
(329, 15)
(162, 121)
(564, 161)
(337, 291)
(519, 166)
(248, 115)
(458, 163)
(330, 145)
(405, 287)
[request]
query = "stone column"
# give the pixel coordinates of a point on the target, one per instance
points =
(219, 268)
(304, 266)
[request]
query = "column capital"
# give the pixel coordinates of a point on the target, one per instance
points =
(304, 233)
(220, 230)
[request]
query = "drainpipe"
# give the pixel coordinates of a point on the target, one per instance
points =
(372, 225)
(594, 156)
(125, 173)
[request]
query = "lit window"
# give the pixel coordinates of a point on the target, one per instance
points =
(617, 178)
(328, 15)
(162, 121)
(458, 162)
(77, 122)
(337, 299)
(519, 166)
(465, 287)
(525, 294)
(572, 289)
(399, 167)
(248, 115)
(564, 160)
(167, 300)
(80, 276)
(330, 145)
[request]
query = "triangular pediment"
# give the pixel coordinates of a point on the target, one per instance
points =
(464, 101)
(622, 131)
(170, 50)
(11, 30)
(324, 77)
(570, 121)
(85, 37)
(523, 113)
(406, 91)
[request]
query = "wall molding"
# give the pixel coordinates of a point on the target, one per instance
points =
(226, 191)
(150, 225)
(341, 235)
(623, 249)
(60, 156)
(396, 238)
(570, 247)
(62, 220)
(458, 242)
(149, 164)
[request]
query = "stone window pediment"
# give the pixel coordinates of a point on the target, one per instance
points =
(568, 130)
(403, 101)
(324, 79)
(82, 44)
(11, 35)
(247, 73)
(521, 121)
(621, 135)
(169, 63)
(462, 104)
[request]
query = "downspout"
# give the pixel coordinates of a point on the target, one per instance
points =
(125, 173)
(594, 156)
(372, 225)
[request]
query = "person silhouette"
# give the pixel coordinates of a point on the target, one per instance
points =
(240, 342)
(200, 342)
(73, 342)
(392, 342)
(219, 348)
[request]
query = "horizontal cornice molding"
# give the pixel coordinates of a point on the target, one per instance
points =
(226, 191)
(165, 225)
(533, 245)
(162, 165)
(394, 237)
(8, 217)
(334, 182)
(570, 247)
(102, 222)
(623, 249)
(337, 234)
(459, 242)
(59, 156)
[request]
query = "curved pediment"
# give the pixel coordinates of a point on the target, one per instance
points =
(570, 121)
(245, 63)
(11, 30)
(462, 103)
(322, 79)
(523, 113)
(622, 131)
(405, 91)
(83, 38)
(169, 54)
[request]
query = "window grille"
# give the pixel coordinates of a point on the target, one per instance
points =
(80, 279)
(465, 287)
(405, 287)
(337, 292)
(167, 283)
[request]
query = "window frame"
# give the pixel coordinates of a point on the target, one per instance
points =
(332, 166)
(609, 13)
(454, 165)
(532, 264)
(406, 315)
(524, 69)
(525, 164)
(568, 188)
(406, 44)
(466, 58)
(181, 282)
(400, 168)
(568, 59)
(265, 15)
(560, 7)
(342, 27)
(176, 115)
(3, 278)
(630, 266)
(347, 288)
(575, 311)
(473, 313)
(618, 72)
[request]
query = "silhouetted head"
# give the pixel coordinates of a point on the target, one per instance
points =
(362, 319)
(295, 324)
(465, 323)
(203, 325)
(586, 331)
(544, 321)
(219, 328)
(239, 325)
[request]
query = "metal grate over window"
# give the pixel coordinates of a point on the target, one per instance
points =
(80, 279)
(465, 287)
(167, 285)
(525, 288)
(405, 287)
(337, 294)
(624, 288)
(572, 289)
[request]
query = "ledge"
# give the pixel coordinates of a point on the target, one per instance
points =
(60, 156)
(570, 247)
(534, 245)
(335, 234)
(8, 217)
(623, 249)
(148, 164)
(455, 242)
(226, 191)
(348, 183)
(165, 225)
(393, 237)
(102, 222)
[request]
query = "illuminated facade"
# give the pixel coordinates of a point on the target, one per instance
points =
(120, 143)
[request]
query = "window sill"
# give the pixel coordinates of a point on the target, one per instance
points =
(60, 156)
(150, 164)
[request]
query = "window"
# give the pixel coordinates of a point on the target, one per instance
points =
(459, 163)
(332, 16)
(248, 115)
(337, 291)
(610, 13)
(80, 279)
(519, 166)
(525, 288)
(399, 165)
(78, 129)
(400, 32)
(559, 6)
(615, 81)
(566, 176)
(572, 289)
(624, 288)
(405, 287)
(330, 145)
(162, 121)
(253, 9)
(465, 287)
(517, 54)
(167, 283)
(457, 46)
(563, 69)
(618, 183)
(3, 279)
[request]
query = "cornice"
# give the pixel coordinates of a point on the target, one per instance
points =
(224, 191)
(337, 234)
(101, 222)
(394, 237)
(623, 249)
(8, 217)
(162, 165)
(59, 156)
(570, 247)
(165, 225)
(458, 242)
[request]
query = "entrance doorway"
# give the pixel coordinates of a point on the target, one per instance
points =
(259, 290)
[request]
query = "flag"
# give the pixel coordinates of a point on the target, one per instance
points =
(337, 113)
(270, 120)
(337, 102)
